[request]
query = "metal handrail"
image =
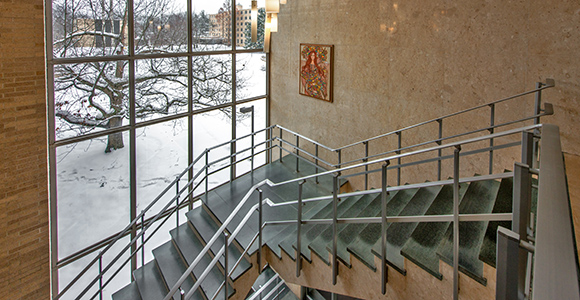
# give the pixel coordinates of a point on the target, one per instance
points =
(246, 197)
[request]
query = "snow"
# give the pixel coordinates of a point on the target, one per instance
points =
(93, 187)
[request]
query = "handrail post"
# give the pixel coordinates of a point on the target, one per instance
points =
(456, 222)
(253, 135)
(142, 238)
(334, 228)
(520, 218)
(101, 275)
(299, 231)
(226, 238)
(440, 151)
(206, 175)
(400, 145)
(384, 195)
(260, 197)
(182, 293)
(491, 130)
(538, 102)
(177, 200)
(339, 153)
(297, 153)
(280, 144)
(316, 162)
(366, 159)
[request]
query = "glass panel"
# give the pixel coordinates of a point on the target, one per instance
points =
(93, 192)
(89, 27)
(251, 68)
(90, 97)
(160, 87)
(161, 157)
(160, 26)
(212, 80)
(244, 127)
(212, 29)
(210, 129)
(244, 25)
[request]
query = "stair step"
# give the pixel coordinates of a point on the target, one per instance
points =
(479, 198)
(318, 245)
(348, 233)
(129, 292)
(206, 227)
(361, 246)
(311, 232)
(190, 246)
(172, 267)
(421, 247)
(150, 282)
(398, 233)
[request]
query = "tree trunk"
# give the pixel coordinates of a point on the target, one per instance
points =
(115, 140)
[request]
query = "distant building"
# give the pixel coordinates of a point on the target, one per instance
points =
(221, 28)
(98, 32)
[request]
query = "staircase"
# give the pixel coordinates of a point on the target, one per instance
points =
(423, 244)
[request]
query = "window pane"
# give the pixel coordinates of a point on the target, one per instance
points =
(243, 128)
(160, 26)
(212, 29)
(89, 27)
(160, 87)
(161, 157)
(93, 192)
(212, 80)
(251, 68)
(244, 25)
(210, 129)
(90, 97)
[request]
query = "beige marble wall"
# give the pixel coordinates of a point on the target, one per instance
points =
(397, 64)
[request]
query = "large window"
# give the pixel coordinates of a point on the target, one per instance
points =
(139, 89)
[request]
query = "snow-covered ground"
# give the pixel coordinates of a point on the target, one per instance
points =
(93, 187)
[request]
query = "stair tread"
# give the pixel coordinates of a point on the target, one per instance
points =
(150, 282)
(129, 292)
(349, 232)
(190, 246)
(479, 198)
(362, 244)
(421, 247)
(206, 227)
(318, 245)
(172, 267)
(311, 232)
(398, 233)
(315, 295)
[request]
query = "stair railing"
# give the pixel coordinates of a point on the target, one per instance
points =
(167, 211)
(455, 218)
(338, 152)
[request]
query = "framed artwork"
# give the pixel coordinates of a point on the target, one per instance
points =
(316, 63)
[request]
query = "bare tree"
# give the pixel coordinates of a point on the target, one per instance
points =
(95, 95)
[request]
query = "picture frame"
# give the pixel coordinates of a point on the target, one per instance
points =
(316, 71)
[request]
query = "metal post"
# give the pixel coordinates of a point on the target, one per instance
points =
(316, 161)
(101, 275)
(206, 175)
(491, 130)
(521, 217)
(456, 222)
(527, 149)
(399, 137)
(182, 293)
(366, 159)
(280, 144)
(297, 153)
(253, 143)
(507, 250)
(339, 152)
(261, 197)
(142, 238)
(384, 194)
(440, 151)
(226, 238)
(299, 231)
(177, 201)
(334, 228)
(538, 102)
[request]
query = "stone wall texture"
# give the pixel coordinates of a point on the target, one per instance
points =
(24, 228)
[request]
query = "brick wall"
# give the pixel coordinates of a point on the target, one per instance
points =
(24, 229)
